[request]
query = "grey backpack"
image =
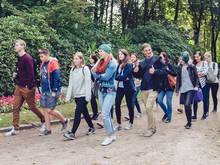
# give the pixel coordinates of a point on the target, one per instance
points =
(211, 78)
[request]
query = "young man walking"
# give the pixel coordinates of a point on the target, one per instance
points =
(25, 87)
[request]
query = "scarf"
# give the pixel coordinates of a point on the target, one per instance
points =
(102, 65)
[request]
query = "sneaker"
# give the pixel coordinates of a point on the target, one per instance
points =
(129, 126)
(188, 126)
(214, 111)
(149, 133)
(194, 118)
(139, 115)
(42, 127)
(64, 125)
(69, 135)
(167, 121)
(12, 132)
(113, 137)
(107, 141)
(45, 133)
(180, 110)
(91, 131)
(95, 116)
(118, 127)
(164, 118)
(204, 117)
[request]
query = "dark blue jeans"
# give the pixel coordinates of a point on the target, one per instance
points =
(205, 93)
(167, 109)
(135, 99)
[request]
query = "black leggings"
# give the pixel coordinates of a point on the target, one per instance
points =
(188, 111)
(129, 97)
(81, 108)
(214, 90)
(94, 105)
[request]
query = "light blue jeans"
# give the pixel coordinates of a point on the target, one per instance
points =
(107, 100)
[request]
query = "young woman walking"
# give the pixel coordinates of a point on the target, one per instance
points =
(165, 88)
(186, 84)
(202, 70)
(80, 88)
(104, 73)
(125, 87)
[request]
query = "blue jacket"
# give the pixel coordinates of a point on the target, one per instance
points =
(126, 76)
(107, 79)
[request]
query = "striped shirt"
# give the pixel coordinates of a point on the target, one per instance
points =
(203, 68)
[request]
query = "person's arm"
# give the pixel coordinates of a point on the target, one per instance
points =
(88, 83)
(216, 68)
(178, 79)
(70, 87)
(138, 71)
(171, 70)
(127, 71)
(56, 80)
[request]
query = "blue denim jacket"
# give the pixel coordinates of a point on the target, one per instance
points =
(107, 79)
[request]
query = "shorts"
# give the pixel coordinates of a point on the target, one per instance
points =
(187, 98)
(49, 101)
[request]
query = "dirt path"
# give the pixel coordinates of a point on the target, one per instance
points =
(172, 145)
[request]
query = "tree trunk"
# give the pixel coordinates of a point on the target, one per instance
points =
(96, 18)
(111, 15)
(176, 11)
(146, 11)
(106, 12)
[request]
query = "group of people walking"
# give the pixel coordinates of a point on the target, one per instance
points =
(110, 80)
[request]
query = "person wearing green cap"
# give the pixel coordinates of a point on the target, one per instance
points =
(186, 84)
(104, 73)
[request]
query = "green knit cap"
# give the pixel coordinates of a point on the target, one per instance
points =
(105, 47)
(185, 56)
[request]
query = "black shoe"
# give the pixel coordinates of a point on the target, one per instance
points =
(194, 118)
(188, 126)
(126, 118)
(91, 131)
(45, 133)
(164, 118)
(214, 110)
(64, 125)
(95, 116)
(203, 117)
(69, 135)
(180, 110)
(100, 125)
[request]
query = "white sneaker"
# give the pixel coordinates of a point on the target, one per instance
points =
(42, 127)
(107, 141)
(129, 126)
(139, 115)
(113, 137)
(118, 127)
(12, 132)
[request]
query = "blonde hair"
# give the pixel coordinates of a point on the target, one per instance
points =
(208, 54)
(21, 42)
(145, 45)
(80, 55)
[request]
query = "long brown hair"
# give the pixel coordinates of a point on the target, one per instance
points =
(80, 55)
(200, 54)
(166, 57)
(126, 59)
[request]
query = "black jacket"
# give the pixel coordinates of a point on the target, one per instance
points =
(192, 74)
(163, 78)
(149, 81)
(126, 76)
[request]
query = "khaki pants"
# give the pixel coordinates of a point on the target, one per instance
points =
(20, 95)
(149, 98)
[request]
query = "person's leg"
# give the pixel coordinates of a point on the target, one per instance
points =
(135, 100)
(94, 105)
(85, 112)
(205, 93)
(112, 111)
(58, 115)
(188, 112)
(195, 107)
(214, 90)
(119, 96)
(47, 118)
(17, 103)
(169, 95)
(77, 117)
(160, 98)
(108, 101)
(189, 96)
(129, 97)
(150, 103)
(29, 96)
